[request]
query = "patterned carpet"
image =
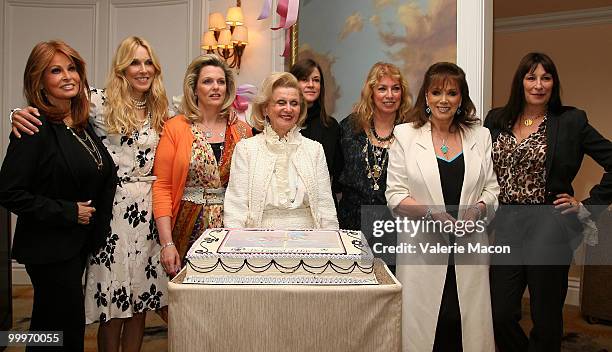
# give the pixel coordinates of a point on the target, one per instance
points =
(580, 336)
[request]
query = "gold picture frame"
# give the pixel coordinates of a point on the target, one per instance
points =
(293, 47)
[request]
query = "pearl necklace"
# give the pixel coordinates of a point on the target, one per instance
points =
(139, 104)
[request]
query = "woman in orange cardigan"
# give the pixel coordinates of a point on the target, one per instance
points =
(193, 159)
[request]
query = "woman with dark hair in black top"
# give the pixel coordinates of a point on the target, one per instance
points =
(319, 126)
(60, 182)
(538, 147)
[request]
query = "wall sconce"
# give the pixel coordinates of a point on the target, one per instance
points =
(230, 42)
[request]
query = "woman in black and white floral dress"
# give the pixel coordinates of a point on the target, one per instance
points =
(125, 278)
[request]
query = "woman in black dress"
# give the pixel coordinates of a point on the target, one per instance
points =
(60, 182)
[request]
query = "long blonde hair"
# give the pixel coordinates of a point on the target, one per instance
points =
(120, 112)
(189, 106)
(364, 109)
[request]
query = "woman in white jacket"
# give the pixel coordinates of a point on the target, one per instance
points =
(279, 179)
(440, 170)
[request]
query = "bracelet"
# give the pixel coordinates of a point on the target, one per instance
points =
(12, 112)
(479, 212)
(169, 244)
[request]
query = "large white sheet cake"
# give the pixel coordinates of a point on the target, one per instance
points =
(253, 256)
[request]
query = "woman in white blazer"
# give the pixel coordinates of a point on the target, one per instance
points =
(278, 178)
(440, 170)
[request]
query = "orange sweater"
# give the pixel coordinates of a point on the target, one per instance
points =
(172, 162)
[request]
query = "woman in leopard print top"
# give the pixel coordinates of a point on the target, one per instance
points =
(538, 147)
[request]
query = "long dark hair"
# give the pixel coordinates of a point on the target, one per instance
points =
(443, 72)
(38, 61)
(302, 70)
(516, 102)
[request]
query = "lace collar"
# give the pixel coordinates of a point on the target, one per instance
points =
(293, 137)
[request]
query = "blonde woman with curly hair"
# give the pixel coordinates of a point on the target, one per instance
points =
(279, 178)
(125, 278)
(192, 162)
(366, 135)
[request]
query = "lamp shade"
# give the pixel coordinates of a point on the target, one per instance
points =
(208, 41)
(225, 39)
(216, 21)
(241, 35)
(234, 16)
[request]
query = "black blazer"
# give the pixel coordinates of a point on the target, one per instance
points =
(569, 136)
(38, 184)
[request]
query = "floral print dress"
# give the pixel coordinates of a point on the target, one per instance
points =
(125, 276)
(195, 216)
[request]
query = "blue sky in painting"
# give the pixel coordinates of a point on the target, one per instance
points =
(322, 21)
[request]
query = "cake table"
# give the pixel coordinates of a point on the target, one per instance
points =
(285, 317)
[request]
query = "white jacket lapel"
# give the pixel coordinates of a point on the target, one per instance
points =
(473, 162)
(426, 160)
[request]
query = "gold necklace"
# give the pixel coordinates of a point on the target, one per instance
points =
(529, 121)
(374, 171)
(93, 151)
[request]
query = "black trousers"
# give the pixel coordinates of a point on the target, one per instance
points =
(540, 239)
(547, 290)
(59, 302)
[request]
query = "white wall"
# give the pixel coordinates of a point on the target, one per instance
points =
(94, 28)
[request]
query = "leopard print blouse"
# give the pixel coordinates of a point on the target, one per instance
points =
(520, 167)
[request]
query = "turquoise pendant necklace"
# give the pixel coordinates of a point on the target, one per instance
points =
(444, 148)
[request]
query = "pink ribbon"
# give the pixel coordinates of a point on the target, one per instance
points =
(244, 95)
(265, 10)
(288, 12)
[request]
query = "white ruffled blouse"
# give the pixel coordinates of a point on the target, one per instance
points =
(286, 190)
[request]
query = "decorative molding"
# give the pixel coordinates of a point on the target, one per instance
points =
(573, 291)
(475, 56)
(76, 4)
(46, 4)
(554, 20)
(149, 3)
(194, 23)
(19, 275)
(7, 28)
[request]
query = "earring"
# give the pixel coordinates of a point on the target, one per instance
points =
(428, 110)
(458, 112)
